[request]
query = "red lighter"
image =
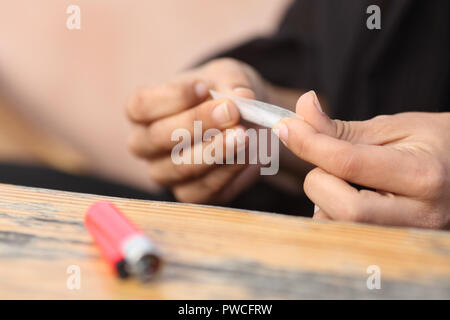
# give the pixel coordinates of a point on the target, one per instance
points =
(121, 243)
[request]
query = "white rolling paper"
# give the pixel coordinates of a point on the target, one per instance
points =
(258, 112)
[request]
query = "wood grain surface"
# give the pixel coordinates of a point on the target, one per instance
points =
(213, 253)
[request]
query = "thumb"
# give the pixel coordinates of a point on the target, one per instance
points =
(308, 107)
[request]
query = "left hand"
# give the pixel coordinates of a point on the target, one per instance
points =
(405, 158)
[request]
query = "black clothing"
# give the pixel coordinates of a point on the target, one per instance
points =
(326, 46)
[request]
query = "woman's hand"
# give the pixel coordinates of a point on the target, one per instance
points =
(158, 111)
(403, 158)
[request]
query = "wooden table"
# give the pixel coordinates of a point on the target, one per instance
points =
(213, 252)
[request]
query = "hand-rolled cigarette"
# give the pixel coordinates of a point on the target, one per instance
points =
(257, 112)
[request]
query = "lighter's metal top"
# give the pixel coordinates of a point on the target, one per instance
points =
(142, 259)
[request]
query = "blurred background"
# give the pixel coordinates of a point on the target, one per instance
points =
(63, 92)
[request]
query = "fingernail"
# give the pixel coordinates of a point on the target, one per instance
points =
(245, 92)
(316, 208)
(221, 113)
(201, 90)
(316, 102)
(281, 130)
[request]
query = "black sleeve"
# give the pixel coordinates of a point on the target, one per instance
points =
(285, 58)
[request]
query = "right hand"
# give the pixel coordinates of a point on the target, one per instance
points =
(158, 111)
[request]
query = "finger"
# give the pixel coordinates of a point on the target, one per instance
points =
(343, 202)
(207, 189)
(228, 75)
(376, 131)
(153, 103)
(224, 149)
(244, 92)
(161, 136)
(378, 167)
(321, 215)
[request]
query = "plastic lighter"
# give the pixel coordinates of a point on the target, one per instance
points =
(121, 243)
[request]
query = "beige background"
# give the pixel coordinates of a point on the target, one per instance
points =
(74, 84)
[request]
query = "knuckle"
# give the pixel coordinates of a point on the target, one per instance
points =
(346, 130)
(153, 130)
(354, 211)
(383, 118)
(434, 179)
(212, 185)
(184, 170)
(133, 143)
(340, 127)
(181, 194)
(300, 147)
(156, 175)
(135, 107)
(432, 217)
(156, 136)
(436, 221)
(348, 163)
(309, 182)
(185, 194)
(146, 141)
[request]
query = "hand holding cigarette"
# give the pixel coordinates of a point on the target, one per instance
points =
(405, 157)
(157, 111)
